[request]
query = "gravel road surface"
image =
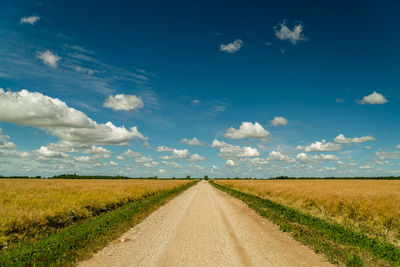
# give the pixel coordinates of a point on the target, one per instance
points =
(205, 227)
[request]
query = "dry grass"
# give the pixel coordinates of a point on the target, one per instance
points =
(372, 206)
(27, 206)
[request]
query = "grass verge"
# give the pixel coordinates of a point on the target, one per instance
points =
(341, 245)
(81, 240)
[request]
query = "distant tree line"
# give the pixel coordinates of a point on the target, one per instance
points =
(75, 176)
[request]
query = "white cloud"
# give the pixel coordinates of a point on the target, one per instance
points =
(83, 159)
(228, 151)
(163, 149)
(218, 144)
(232, 47)
(343, 140)
(262, 147)
(279, 156)
(303, 157)
(247, 130)
(4, 143)
(143, 159)
(299, 148)
(131, 154)
(279, 121)
(29, 20)
(123, 102)
(231, 152)
(98, 152)
(44, 152)
(120, 157)
(282, 32)
(180, 154)
(113, 163)
(322, 147)
(86, 70)
(257, 161)
(374, 98)
(365, 167)
(196, 157)
(173, 165)
(388, 155)
(230, 163)
(398, 147)
(49, 58)
(55, 117)
(191, 142)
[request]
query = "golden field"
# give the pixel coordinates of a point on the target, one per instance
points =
(372, 206)
(29, 205)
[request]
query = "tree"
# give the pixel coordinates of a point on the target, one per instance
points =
(205, 177)
(188, 177)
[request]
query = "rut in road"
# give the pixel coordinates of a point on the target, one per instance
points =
(205, 227)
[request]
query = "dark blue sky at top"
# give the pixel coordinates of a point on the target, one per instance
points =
(352, 49)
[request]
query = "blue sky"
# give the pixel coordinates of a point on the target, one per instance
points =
(225, 89)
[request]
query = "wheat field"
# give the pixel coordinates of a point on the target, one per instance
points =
(371, 206)
(30, 205)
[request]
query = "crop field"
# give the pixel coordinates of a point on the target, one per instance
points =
(370, 206)
(28, 206)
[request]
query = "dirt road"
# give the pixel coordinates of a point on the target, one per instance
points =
(205, 227)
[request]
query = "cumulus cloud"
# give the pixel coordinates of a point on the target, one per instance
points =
(173, 165)
(228, 151)
(388, 155)
(83, 159)
(282, 32)
(398, 147)
(247, 130)
(98, 151)
(230, 163)
(218, 144)
(365, 167)
(123, 102)
(232, 47)
(4, 143)
(49, 58)
(191, 142)
(163, 149)
(303, 157)
(279, 121)
(55, 117)
(251, 162)
(44, 152)
(196, 157)
(238, 152)
(131, 154)
(180, 154)
(143, 159)
(343, 140)
(322, 146)
(279, 156)
(374, 98)
(113, 163)
(29, 20)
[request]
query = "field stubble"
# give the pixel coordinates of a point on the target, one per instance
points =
(370, 206)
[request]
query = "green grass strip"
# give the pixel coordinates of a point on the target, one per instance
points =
(338, 243)
(79, 241)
